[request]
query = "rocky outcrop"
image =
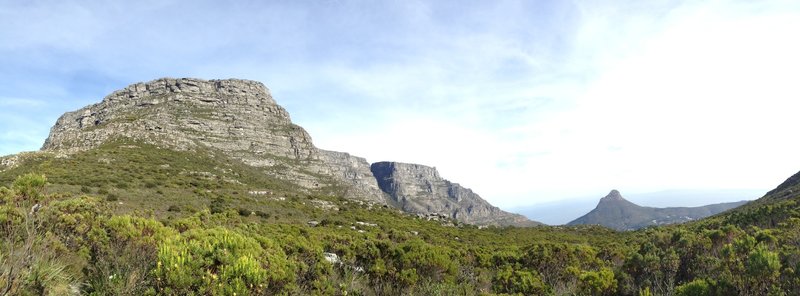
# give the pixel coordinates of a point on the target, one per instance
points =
(614, 211)
(241, 120)
(236, 116)
(355, 172)
(419, 189)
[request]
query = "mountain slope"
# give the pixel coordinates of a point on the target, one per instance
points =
(615, 212)
(236, 119)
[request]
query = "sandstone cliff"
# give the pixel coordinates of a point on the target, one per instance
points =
(419, 189)
(355, 172)
(241, 120)
(236, 117)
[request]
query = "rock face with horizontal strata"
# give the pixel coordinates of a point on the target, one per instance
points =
(355, 171)
(419, 189)
(237, 117)
(240, 119)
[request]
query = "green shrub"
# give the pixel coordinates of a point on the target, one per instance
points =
(697, 287)
(220, 262)
(508, 280)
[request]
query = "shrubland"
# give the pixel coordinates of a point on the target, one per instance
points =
(132, 219)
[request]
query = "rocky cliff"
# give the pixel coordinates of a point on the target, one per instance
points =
(241, 120)
(614, 211)
(355, 172)
(419, 189)
(236, 117)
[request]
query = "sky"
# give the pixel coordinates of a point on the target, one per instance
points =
(525, 102)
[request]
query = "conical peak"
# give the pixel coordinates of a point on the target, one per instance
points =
(614, 195)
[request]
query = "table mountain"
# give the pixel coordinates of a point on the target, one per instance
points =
(616, 212)
(239, 119)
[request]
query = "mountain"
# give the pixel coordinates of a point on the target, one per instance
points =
(419, 189)
(616, 212)
(239, 120)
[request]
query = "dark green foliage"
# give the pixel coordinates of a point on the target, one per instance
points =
(208, 242)
(218, 205)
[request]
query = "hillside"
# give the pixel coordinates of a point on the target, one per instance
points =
(239, 119)
(614, 211)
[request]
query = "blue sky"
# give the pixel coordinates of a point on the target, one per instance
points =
(523, 101)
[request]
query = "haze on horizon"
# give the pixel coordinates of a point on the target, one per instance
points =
(525, 102)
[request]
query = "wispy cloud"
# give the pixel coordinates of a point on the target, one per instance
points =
(20, 102)
(524, 101)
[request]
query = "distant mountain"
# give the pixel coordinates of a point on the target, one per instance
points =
(616, 212)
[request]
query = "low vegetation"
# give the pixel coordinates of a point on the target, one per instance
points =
(146, 221)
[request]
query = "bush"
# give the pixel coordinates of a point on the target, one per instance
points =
(218, 205)
(508, 280)
(261, 214)
(694, 288)
(220, 262)
(245, 212)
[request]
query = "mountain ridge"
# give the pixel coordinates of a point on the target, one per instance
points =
(616, 212)
(242, 120)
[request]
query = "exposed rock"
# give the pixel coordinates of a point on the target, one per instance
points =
(366, 224)
(241, 120)
(354, 171)
(324, 205)
(331, 257)
(11, 161)
(419, 189)
(613, 211)
(236, 117)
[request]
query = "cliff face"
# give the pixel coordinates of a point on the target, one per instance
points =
(238, 118)
(419, 189)
(355, 172)
(613, 211)
(241, 120)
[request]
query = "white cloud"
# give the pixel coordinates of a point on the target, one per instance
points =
(523, 101)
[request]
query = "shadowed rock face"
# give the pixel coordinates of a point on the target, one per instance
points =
(613, 211)
(241, 120)
(419, 189)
